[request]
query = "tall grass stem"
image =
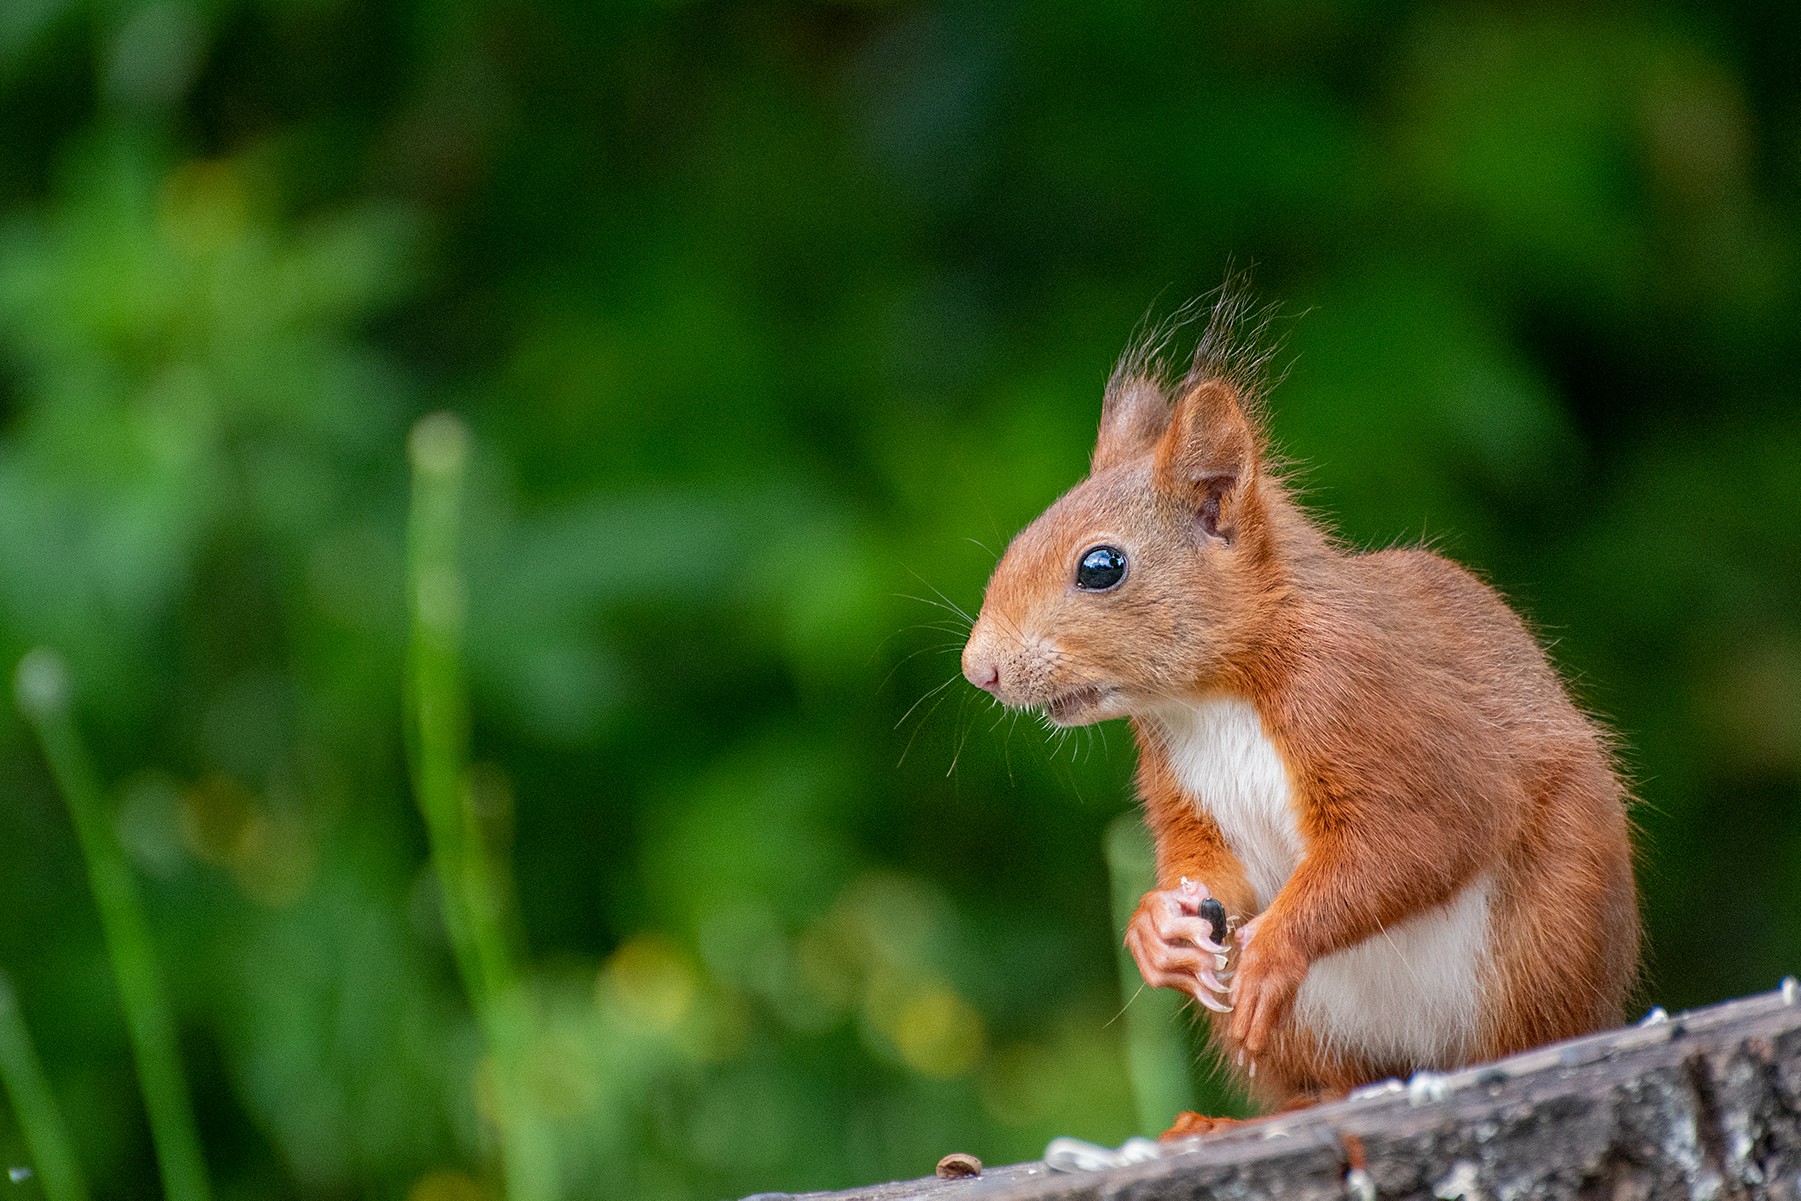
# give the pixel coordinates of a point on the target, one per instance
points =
(52, 1151)
(1160, 1060)
(41, 686)
(469, 883)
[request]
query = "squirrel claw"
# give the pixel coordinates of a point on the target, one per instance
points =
(1174, 948)
(1203, 998)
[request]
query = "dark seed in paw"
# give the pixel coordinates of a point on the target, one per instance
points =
(1215, 914)
(957, 1165)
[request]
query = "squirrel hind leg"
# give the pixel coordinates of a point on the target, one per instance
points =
(1267, 1081)
(1188, 1124)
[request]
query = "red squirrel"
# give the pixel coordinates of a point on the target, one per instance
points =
(1365, 758)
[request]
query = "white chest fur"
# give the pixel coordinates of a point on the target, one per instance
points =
(1409, 994)
(1230, 768)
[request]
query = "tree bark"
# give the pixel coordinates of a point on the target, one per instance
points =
(1705, 1104)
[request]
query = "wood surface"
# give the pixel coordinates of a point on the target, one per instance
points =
(1704, 1104)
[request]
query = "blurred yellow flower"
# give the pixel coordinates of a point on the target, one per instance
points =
(447, 1184)
(204, 205)
(933, 1029)
(652, 981)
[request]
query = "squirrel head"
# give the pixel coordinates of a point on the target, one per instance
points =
(1146, 582)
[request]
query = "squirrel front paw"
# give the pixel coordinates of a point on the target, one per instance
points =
(1174, 946)
(1269, 974)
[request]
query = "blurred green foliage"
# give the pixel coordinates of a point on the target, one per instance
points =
(771, 323)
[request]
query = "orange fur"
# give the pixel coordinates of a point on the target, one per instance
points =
(1425, 738)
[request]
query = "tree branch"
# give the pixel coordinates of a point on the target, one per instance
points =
(1706, 1104)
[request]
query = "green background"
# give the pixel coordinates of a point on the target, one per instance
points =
(772, 322)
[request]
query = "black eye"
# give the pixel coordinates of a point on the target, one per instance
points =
(1101, 568)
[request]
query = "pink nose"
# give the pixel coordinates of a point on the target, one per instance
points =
(986, 676)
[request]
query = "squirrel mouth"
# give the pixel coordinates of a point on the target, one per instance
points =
(1063, 708)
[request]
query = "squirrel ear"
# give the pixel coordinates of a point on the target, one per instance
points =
(1206, 458)
(1134, 415)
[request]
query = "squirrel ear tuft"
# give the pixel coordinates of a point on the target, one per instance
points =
(1208, 456)
(1134, 415)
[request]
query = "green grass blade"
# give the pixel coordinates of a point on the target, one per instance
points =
(42, 689)
(1159, 1061)
(438, 742)
(52, 1151)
